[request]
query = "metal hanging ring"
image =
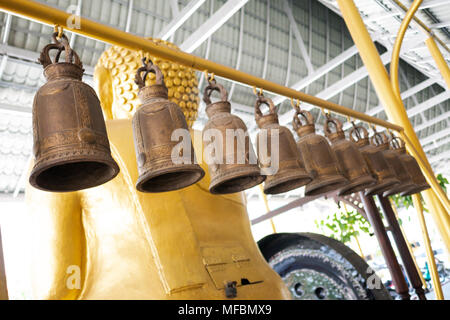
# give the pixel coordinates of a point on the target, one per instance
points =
(148, 67)
(61, 44)
(214, 86)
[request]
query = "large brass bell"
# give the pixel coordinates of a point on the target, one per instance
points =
(412, 167)
(375, 160)
(291, 173)
(71, 146)
(393, 158)
(318, 157)
(234, 171)
(350, 160)
(154, 124)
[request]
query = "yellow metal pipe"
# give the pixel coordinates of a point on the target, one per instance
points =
(266, 202)
(51, 16)
(424, 283)
(422, 25)
(394, 107)
(430, 255)
(442, 221)
(439, 59)
(398, 44)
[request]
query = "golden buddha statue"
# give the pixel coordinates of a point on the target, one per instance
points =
(114, 242)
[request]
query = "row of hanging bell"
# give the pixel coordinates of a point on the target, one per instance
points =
(71, 146)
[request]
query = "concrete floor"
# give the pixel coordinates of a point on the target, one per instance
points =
(445, 291)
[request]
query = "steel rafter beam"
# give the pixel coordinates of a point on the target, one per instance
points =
(180, 18)
(441, 156)
(428, 104)
(438, 135)
(212, 25)
(337, 87)
(330, 65)
(406, 94)
(298, 36)
(436, 144)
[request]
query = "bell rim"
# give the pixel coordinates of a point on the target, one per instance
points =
(359, 184)
(39, 168)
(398, 189)
(416, 189)
(381, 188)
(250, 171)
(195, 169)
(299, 180)
(337, 182)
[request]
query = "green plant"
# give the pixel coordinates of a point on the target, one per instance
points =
(342, 226)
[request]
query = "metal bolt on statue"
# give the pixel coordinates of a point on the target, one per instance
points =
(71, 146)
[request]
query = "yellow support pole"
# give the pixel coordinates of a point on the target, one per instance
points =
(393, 106)
(51, 16)
(266, 202)
(424, 283)
(398, 44)
(430, 255)
(439, 59)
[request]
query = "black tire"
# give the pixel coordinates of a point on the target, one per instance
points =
(317, 267)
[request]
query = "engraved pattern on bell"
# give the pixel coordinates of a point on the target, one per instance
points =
(240, 173)
(350, 159)
(153, 125)
(71, 145)
(291, 173)
(318, 156)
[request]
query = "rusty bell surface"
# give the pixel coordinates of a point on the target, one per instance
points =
(393, 158)
(71, 146)
(318, 156)
(374, 158)
(419, 183)
(234, 172)
(350, 160)
(291, 173)
(163, 164)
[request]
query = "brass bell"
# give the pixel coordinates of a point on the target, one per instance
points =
(234, 171)
(412, 167)
(378, 165)
(154, 124)
(318, 157)
(350, 160)
(71, 146)
(291, 173)
(393, 158)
